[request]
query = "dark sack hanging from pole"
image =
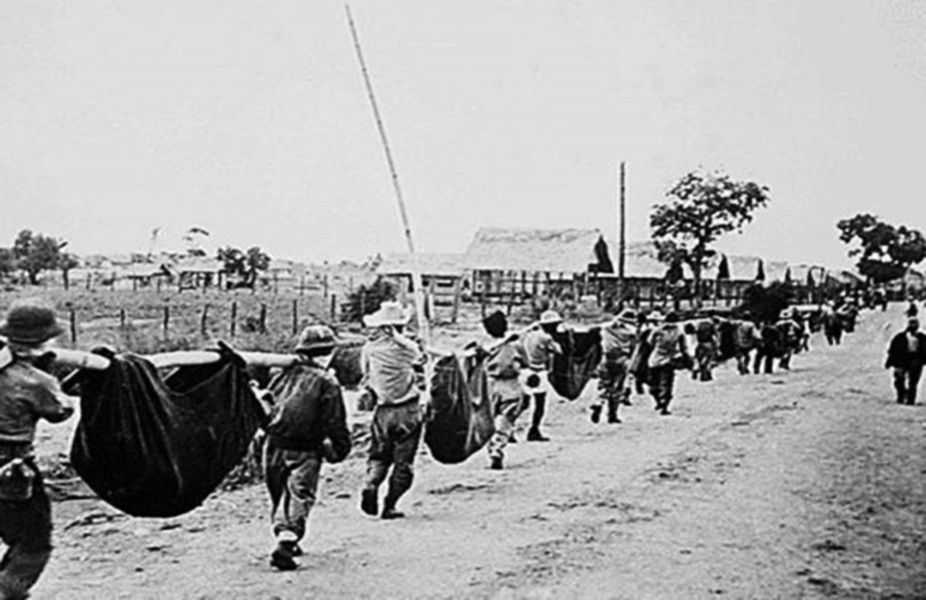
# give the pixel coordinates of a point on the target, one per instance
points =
(578, 363)
(155, 447)
(460, 414)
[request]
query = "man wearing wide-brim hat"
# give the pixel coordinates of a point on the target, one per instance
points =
(307, 426)
(392, 368)
(618, 342)
(541, 347)
(27, 394)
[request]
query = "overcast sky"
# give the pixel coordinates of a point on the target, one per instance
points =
(250, 118)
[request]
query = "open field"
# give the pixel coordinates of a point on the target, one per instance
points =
(801, 484)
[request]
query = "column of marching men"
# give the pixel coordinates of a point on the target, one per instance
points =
(307, 424)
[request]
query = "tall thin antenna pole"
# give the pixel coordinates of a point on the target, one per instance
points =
(416, 273)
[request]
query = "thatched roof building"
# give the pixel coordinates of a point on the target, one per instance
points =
(533, 250)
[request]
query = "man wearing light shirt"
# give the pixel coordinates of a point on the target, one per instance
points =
(392, 369)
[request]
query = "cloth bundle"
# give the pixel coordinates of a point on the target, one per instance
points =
(157, 447)
(460, 419)
(577, 364)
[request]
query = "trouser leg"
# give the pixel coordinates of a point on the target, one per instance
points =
(25, 527)
(292, 478)
(406, 434)
(900, 384)
(913, 378)
(507, 412)
(540, 409)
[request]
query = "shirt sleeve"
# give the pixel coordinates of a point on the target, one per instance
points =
(47, 400)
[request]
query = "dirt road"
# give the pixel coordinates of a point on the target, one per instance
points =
(810, 483)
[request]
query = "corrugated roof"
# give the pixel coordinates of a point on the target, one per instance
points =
(532, 250)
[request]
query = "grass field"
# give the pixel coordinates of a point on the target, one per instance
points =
(134, 320)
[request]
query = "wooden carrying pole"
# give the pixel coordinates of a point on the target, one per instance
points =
(94, 362)
(423, 327)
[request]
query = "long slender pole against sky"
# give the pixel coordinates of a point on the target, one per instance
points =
(416, 272)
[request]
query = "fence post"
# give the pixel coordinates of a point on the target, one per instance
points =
(457, 291)
(263, 318)
(325, 286)
(73, 319)
(89, 280)
(122, 318)
(334, 307)
(166, 320)
(203, 323)
(234, 318)
(295, 316)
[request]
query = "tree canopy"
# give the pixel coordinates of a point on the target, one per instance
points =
(34, 253)
(700, 209)
(885, 252)
(246, 264)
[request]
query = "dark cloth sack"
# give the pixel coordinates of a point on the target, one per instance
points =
(157, 447)
(727, 336)
(459, 421)
(577, 364)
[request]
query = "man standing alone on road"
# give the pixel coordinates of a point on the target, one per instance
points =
(392, 369)
(307, 425)
(27, 394)
(540, 347)
(907, 355)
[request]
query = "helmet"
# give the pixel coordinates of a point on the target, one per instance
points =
(316, 340)
(30, 322)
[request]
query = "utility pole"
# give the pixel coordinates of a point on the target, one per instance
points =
(423, 325)
(622, 231)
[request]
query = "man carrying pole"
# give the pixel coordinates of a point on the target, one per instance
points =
(393, 369)
(307, 426)
(27, 394)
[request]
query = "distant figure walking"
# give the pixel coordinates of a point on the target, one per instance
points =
(618, 342)
(668, 353)
(832, 325)
(504, 365)
(540, 347)
(907, 355)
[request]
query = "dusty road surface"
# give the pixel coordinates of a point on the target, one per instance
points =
(808, 484)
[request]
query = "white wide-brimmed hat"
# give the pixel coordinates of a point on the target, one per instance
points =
(550, 317)
(656, 317)
(389, 313)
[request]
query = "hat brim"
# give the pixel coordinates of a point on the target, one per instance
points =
(316, 349)
(33, 336)
(376, 320)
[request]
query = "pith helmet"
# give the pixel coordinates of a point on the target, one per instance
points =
(30, 322)
(316, 340)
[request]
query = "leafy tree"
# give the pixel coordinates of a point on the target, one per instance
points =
(247, 265)
(36, 252)
(702, 208)
(884, 252)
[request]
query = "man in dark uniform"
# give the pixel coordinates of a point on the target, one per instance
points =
(307, 426)
(906, 356)
(27, 394)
